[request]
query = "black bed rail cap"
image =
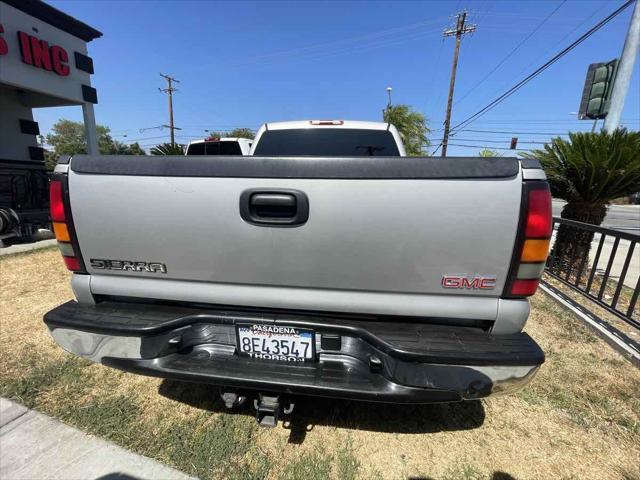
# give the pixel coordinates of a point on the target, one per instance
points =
(298, 167)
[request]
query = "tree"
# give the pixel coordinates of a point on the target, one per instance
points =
(134, 149)
(68, 138)
(412, 126)
(167, 149)
(236, 132)
(488, 153)
(588, 171)
(241, 133)
(50, 158)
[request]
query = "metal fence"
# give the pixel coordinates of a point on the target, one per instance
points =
(616, 287)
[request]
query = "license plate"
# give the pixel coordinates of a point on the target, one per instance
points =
(275, 342)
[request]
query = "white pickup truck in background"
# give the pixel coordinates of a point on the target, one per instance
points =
(326, 263)
(219, 146)
(328, 138)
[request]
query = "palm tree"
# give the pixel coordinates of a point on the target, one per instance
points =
(412, 126)
(588, 171)
(167, 149)
(488, 153)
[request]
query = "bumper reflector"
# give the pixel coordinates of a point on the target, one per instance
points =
(66, 249)
(525, 287)
(530, 270)
(72, 263)
(61, 232)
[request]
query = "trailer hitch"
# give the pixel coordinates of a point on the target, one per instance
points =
(268, 409)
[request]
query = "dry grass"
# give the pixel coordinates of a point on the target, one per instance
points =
(580, 418)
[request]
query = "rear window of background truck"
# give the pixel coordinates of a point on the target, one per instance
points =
(327, 142)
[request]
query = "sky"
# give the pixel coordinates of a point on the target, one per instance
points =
(241, 64)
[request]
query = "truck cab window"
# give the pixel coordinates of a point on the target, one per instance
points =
(327, 142)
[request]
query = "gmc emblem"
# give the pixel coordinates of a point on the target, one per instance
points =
(469, 282)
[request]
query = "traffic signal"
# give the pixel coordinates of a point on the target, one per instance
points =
(597, 90)
(514, 143)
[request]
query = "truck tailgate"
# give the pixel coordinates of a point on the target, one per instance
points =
(388, 227)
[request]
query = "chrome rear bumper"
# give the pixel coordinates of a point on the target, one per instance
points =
(387, 361)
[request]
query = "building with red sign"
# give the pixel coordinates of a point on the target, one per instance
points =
(43, 63)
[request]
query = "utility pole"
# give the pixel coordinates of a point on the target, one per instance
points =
(169, 91)
(625, 69)
(458, 32)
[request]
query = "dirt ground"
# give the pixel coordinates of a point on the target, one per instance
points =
(579, 418)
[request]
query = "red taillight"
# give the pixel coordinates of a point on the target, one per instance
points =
(63, 225)
(539, 214)
(56, 205)
(525, 287)
(532, 245)
(72, 263)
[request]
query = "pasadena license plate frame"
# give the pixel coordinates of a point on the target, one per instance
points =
(269, 342)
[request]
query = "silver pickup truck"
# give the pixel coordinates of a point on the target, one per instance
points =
(325, 263)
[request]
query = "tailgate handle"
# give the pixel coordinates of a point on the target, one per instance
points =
(275, 208)
(274, 200)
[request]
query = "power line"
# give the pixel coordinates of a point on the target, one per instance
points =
(516, 14)
(133, 140)
(217, 127)
(568, 34)
(370, 46)
(509, 26)
(542, 68)
(574, 127)
(205, 128)
(503, 132)
(510, 132)
(485, 140)
(393, 36)
(157, 127)
(510, 54)
(490, 147)
(193, 136)
(482, 14)
(548, 121)
(340, 43)
(140, 130)
(595, 12)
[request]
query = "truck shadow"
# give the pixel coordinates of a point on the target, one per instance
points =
(312, 411)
